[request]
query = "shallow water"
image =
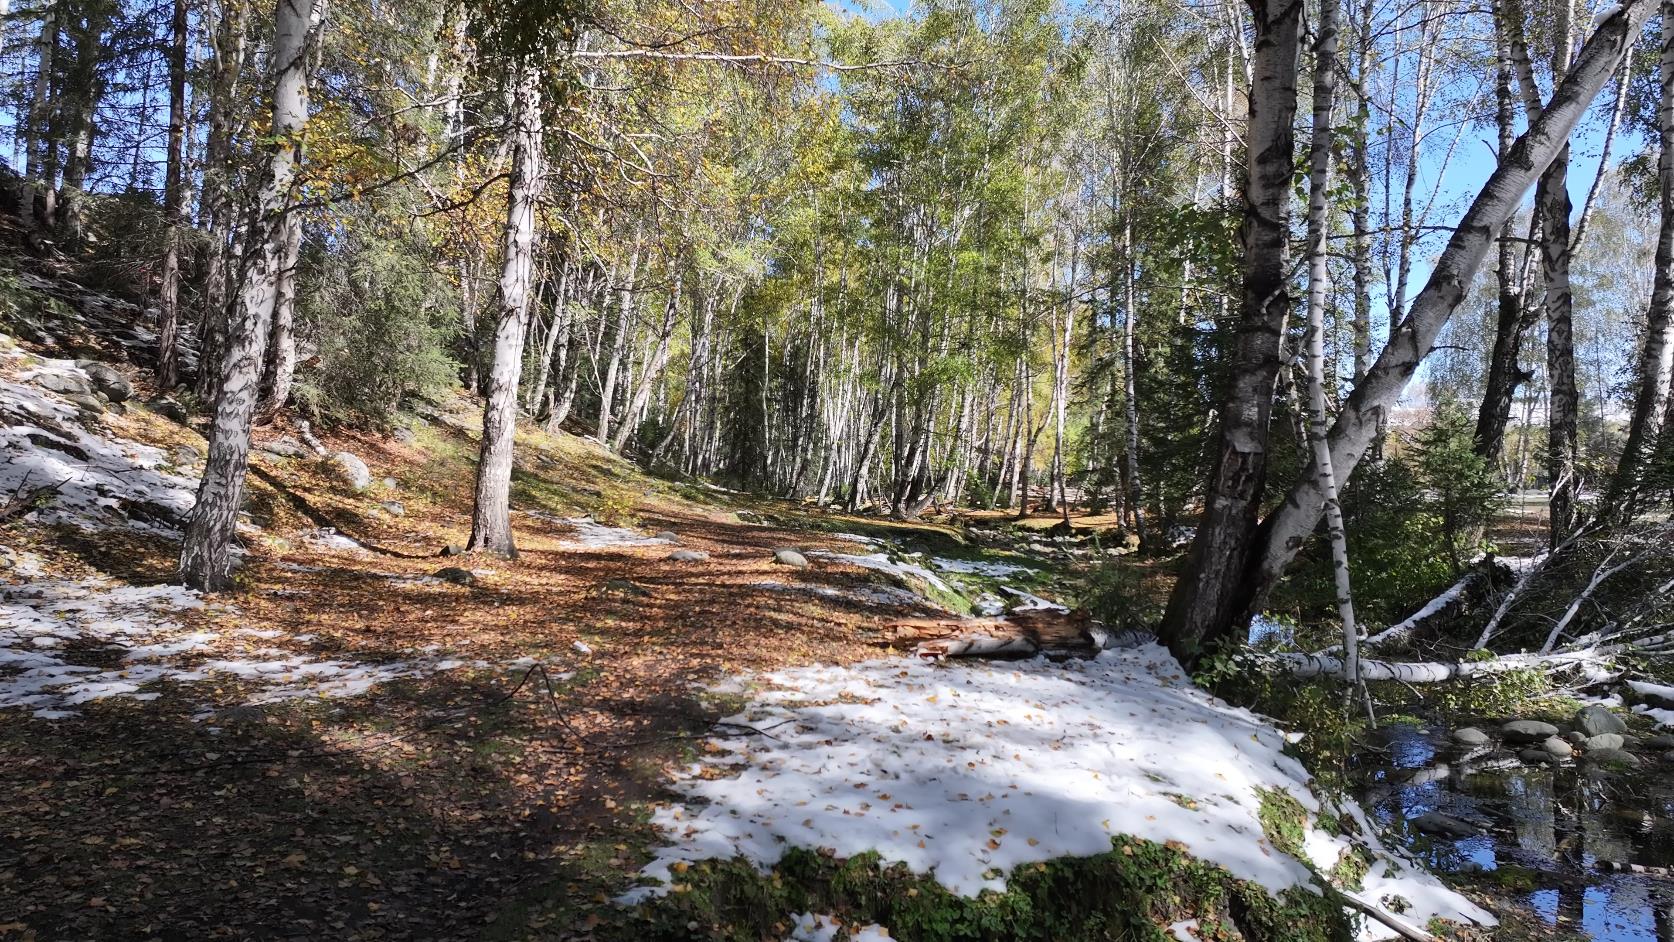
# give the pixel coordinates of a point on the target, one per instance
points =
(1547, 831)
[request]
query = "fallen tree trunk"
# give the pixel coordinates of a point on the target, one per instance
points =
(1431, 672)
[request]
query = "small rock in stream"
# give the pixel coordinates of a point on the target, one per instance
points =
(1470, 736)
(1527, 731)
(1557, 748)
(1594, 719)
(1445, 824)
(1614, 757)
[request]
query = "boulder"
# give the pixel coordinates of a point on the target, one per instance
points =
(169, 409)
(1445, 825)
(1575, 737)
(1595, 719)
(351, 470)
(1527, 731)
(393, 507)
(790, 557)
(1537, 757)
(286, 447)
(456, 575)
(667, 536)
(1614, 757)
(1470, 736)
(114, 385)
(687, 556)
(1661, 742)
(64, 382)
(186, 455)
(85, 404)
(1605, 742)
(1557, 747)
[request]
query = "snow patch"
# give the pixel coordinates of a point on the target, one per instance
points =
(979, 567)
(965, 771)
(590, 534)
(880, 562)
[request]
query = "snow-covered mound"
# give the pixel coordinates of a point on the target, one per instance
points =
(588, 533)
(966, 771)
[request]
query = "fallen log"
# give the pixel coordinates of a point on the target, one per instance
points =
(1431, 672)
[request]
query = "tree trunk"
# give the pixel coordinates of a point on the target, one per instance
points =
(491, 519)
(1319, 286)
(1204, 604)
(1656, 352)
(206, 555)
(35, 126)
(280, 366)
(217, 205)
(174, 208)
(1552, 204)
(619, 344)
(1412, 339)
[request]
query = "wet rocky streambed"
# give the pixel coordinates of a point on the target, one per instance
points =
(1585, 837)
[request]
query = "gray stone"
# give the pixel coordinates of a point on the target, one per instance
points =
(1595, 719)
(1470, 736)
(286, 447)
(186, 455)
(1445, 824)
(1575, 737)
(452, 549)
(88, 405)
(1668, 756)
(66, 383)
(456, 575)
(668, 536)
(393, 507)
(687, 556)
(1614, 757)
(790, 557)
(1557, 747)
(114, 385)
(1537, 757)
(169, 409)
(351, 470)
(389, 483)
(1605, 742)
(405, 435)
(1659, 742)
(1527, 731)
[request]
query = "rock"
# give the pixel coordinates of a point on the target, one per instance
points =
(393, 507)
(63, 382)
(790, 557)
(1668, 756)
(286, 447)
(1596, 719)
(668, 536)
(87, 405)
(1557, 747)
(1575, 737)
(351, 470)
(114, 385)
(687, 556)
(456, 575)
(1605, 742)
(187, 454)
(452, 549)
(1660, 742)
(626, 587)
(1527, 731)
(1537, 757)
(169, 409)
(1445, 824)
(1470, 736)
(389, 483)
(405, 435)
(1614, 757)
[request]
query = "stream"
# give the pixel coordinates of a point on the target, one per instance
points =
(1549, 834)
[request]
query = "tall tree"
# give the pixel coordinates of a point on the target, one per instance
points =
(206, 555)
(174, 206)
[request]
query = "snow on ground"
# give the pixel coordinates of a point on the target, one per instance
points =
(590, 534)
(812, 927)
(978, 567)
(968, 770)
(105, 481)
(880, 562)
(869, 594)
(65, 643)
(1032, 603)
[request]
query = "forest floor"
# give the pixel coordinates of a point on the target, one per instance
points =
(365, 740)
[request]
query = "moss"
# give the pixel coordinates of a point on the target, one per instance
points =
(1132, 892)
(1284, 821)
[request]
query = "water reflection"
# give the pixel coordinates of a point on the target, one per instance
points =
(1548, 829)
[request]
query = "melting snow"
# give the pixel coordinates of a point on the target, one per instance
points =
(1032, 603)
(968, 770)
(809, 927)
(979, 567)
(881, 562)
(591, 534)
(870, 594)
(134, 626)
